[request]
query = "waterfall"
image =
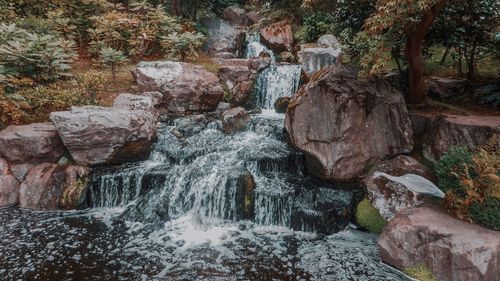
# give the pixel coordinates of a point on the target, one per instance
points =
(254, 47)
(275, 82)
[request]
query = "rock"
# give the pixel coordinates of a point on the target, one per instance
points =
(342, 124)
(222, 107)
(235, 15)
(244, 197)
(97, 135)
(44, 186)
(231, 62)
(191, 125)
(314, 59)
(74, 193)
(452, 249)
(222, 37)
(234, 74)
(242, 93)
(185, 87)
(443, 88)
(156, 97)
(322, 210)
(21, 170)
(9, 186)
(134, 102)
(225, 55)
(32, 143)
(449, 130)
(258, 64)
(278, 36)
(287, 57)
(253, 17)
(328, 41)
(391, 197)
(281, 104)
(234, 120)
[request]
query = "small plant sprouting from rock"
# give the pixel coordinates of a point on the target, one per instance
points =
(369, 217)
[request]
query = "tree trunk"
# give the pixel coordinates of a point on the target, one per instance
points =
(445, 56)
(414, 45)
(416, 80)
(176, 8)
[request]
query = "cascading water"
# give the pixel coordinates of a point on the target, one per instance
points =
(204, 206)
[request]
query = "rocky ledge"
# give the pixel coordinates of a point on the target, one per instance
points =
(452, 249)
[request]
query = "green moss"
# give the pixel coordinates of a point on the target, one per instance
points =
(369, 217)
(420, 272)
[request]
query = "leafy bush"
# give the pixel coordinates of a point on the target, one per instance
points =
(90, 84)
(369, 217)
(183, 46)
(471, 181)
(315, 25)
(43, 58)
(112, 58)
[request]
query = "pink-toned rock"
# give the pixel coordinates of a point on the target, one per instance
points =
(45, 184)
(98, 135)
(234, 120)
(235, 16)
(242, 93)
(34, 143)
(21, 170)
(441, 132)
(234, 74)
(278, 36)
(9, 186)
(185, 87)
(134, 102)
(343, 123)
(452, 249)
(391, 197)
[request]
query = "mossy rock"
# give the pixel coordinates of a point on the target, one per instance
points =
(369, 217)
(420, 272)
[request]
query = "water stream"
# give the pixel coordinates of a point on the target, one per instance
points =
(204, 206)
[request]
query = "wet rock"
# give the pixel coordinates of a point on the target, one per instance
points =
(244, 198)
(191, 125)
(314, 59)
(222, 37)
(9, 186)
(443, 88)
(32, 143)
(253, 17)
(328, 41)
(343, 123)
(185, 87)
(235, 15)
(448, 130)
(391, 197)
(322, 210)
(45, 184)
(278, 36)
(234, 74)
(242, 93)
(281, 104)
(97, 135)
(450, 248)
(222, 107)
(234, 120)
(258, 64)
(134, 102)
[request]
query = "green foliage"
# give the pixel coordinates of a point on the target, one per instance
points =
(487, 213)
(43, 58)
(112, 58)
(420, 272)
(90, 84)
(369, 217)
(452, 166)
(183, 46)
(314, 25)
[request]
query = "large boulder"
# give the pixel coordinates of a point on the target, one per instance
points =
(44, 185)
(444, 88)
(234, 74)
(185, 87)
(278, 36)
(97, 135)
(33, 143)
(134, 102)
(9, 186)
(391, 197)
(222, 37)
(235, 15)
(343, 124)
(314, 59)
(440, 133)
(452, 249)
